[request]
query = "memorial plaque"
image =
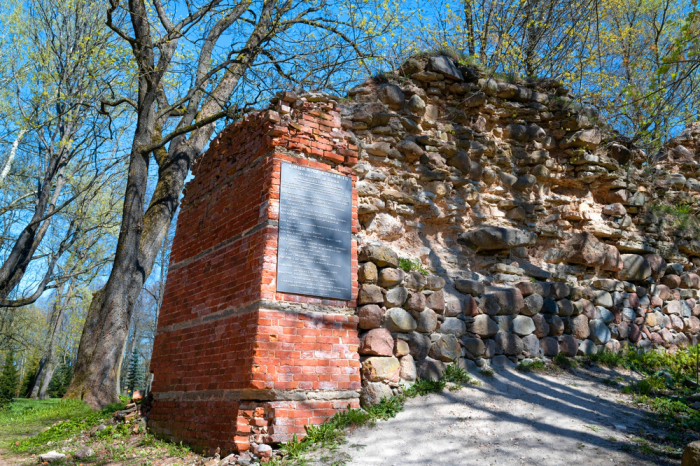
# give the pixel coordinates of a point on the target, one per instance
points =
(315, 228)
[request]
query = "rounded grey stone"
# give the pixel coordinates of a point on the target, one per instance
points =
(395, 297)
(398, 320)
(566, 307)
(484, 326)
(522, 325)
(508, 344)
(453, 326)
(475, 347)
(373, 392)
(600, 333)
(445, 348)
(532, 305)
(427, 321)
(531, 346)
(418, 345)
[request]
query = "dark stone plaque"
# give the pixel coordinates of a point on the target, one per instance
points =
(315, 227)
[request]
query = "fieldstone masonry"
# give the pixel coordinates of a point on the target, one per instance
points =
(540, 232)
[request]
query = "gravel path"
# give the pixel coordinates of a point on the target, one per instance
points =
(513, 418)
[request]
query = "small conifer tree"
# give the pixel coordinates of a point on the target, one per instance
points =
(135, 380)
(60, 381)
(9, 380)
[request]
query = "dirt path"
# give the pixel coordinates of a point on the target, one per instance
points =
(513, 418)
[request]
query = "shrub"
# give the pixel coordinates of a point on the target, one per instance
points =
(455, 374)
(565, 363)
(534, 365)
(409, 265)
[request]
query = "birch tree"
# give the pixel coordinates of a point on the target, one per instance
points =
(64, 150)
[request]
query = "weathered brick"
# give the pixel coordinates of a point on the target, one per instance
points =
(221, 263)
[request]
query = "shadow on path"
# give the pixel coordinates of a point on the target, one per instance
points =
(512, 418)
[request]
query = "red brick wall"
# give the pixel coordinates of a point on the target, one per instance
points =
(203, 424)
(299, 351)
(224, 333)
(277, 421)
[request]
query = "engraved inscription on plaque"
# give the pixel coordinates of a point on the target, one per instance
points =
(315, 227)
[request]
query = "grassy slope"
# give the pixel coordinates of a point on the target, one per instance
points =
(31, 427)
(25, 417)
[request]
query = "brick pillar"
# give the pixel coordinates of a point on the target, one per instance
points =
(234, 361)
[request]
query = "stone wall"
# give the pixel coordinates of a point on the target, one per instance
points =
(544, 234)
(540, 232)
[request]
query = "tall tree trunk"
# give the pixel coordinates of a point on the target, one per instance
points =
(46, 363)
(100, 354)
(51, 352)
(50, 369)
(469, 18)
(15, 266)
(102, 344)
(96, 377)
(33, 390)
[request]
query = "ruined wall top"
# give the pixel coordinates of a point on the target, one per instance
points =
(441, 150)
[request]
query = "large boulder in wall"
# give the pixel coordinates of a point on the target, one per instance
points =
(494, 238)
(373, 392)
(508, 344)
(446, 67)
(658, 265)
(381, 255)
(378, 369)
(599, 332)
(634, 268)
(377, 342)
(691, 454)
(445, 348)
(586, 249)
(587, 138)
(392, 95)
(502, 300)
(418, 344)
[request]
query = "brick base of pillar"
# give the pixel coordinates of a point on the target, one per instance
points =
(278, 421)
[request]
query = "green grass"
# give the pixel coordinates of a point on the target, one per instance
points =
(24, 417)
(331, 433)
(455, 374)
(607, 358)
(534, 365)
(667, 379)
(67, 418)
(565, 363)
(680, 365)
(409, 265)
(680, 214)
(424, 387)
(647, 386)
(32, 426)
